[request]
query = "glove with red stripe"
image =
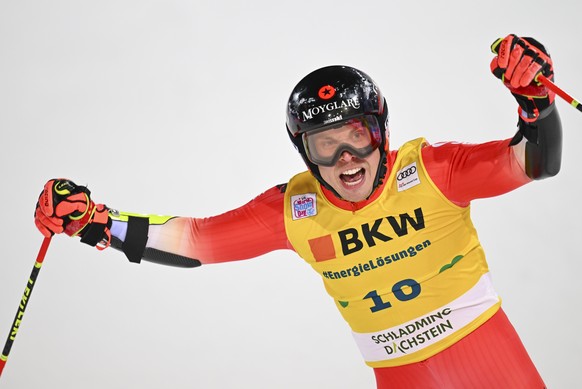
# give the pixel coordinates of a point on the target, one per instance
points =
(66, 207)
(518, 63)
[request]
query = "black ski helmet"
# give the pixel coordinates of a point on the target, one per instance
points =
(335, 94)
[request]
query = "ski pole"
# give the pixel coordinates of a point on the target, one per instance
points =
(23, 303)
(554, 88)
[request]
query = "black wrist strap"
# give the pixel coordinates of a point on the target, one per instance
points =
(136, 238)
(529, 131)
(95, 233)
(98, 229)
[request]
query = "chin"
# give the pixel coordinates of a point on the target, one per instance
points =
(354, 197)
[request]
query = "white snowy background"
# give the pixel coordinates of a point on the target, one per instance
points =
(177, 107)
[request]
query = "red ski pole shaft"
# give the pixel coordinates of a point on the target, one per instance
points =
(23, 303)
(557, 90)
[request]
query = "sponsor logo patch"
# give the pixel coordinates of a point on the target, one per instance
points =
(303, 205)
(407, 177)
(326, 92)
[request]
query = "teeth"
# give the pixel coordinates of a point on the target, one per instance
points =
(353, 183)
(352, 171)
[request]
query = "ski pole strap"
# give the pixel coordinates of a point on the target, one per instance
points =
(136, 238)
(98, 229)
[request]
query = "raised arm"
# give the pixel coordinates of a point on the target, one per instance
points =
(539, 138)
(249, 231)
(464, 172)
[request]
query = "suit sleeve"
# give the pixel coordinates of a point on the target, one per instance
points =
(465, 172)
(254, 229)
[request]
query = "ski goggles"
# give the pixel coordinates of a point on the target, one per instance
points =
(359, 136)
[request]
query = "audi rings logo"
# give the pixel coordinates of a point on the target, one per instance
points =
(406, 173)
(407, 177)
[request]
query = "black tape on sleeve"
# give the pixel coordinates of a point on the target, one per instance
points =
(136, 238)
(169, 259)
(543, 150)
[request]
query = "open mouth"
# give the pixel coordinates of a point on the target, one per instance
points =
(353, 177)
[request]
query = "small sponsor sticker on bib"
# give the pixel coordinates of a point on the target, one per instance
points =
(303, 205)
(407, 177)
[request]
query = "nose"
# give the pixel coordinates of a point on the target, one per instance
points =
(346, 156)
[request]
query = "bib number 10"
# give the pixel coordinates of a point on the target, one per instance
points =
(403, 291)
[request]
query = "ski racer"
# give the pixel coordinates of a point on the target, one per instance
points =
(388, 230)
